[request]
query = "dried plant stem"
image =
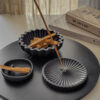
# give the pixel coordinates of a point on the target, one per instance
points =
(16, 69)
(49, 33)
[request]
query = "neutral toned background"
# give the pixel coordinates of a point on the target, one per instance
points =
(49, 7)
(13, 24)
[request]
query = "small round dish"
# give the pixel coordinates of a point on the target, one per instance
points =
(16, 76)
(72, 78)
(25, 39)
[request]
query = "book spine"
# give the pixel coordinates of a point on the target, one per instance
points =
(82, 24)
(76, 35)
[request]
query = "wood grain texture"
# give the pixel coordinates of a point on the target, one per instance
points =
(16, 69)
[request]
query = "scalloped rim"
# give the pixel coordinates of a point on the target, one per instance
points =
(42, 49)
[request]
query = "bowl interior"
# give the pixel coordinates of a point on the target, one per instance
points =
(38, 33)
(19, 63)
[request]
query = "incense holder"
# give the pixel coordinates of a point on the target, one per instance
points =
(73, 78)
(17, 76)
(25, 39)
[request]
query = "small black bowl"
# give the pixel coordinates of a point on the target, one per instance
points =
(16, 76)
(25, 39)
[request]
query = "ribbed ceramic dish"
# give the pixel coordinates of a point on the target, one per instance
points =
(24, 41)
(74, 76)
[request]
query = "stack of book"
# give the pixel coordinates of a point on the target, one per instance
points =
(82, 23)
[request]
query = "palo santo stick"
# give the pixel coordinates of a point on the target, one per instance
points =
(49, 33)
(49, 41)
(45, 43)
(16, 69)
(42, 39)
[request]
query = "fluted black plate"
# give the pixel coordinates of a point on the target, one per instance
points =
(73, 76)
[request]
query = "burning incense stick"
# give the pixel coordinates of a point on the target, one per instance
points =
(49, 33)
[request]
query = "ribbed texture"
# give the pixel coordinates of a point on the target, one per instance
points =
(74, 76)
(25, 39)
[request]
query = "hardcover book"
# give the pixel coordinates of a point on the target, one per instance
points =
(86, 18)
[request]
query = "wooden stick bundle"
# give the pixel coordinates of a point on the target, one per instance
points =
(16, 69)
(41, 40)
(43, 44)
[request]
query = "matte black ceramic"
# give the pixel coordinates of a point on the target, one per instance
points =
(16, 76)
(36, 87)
(72, 77)
(24, 41)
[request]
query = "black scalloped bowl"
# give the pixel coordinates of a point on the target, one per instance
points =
(24, 41)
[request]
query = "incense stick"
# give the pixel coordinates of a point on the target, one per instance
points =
(16, 69)
(49, 33)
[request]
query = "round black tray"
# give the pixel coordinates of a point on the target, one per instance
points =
(36, 88)
(72, 77)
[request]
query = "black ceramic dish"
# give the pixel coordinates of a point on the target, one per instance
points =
(24, 41)
(16, 76)
(73, 78)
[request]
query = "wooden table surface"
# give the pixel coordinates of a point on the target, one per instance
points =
(12, 26)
